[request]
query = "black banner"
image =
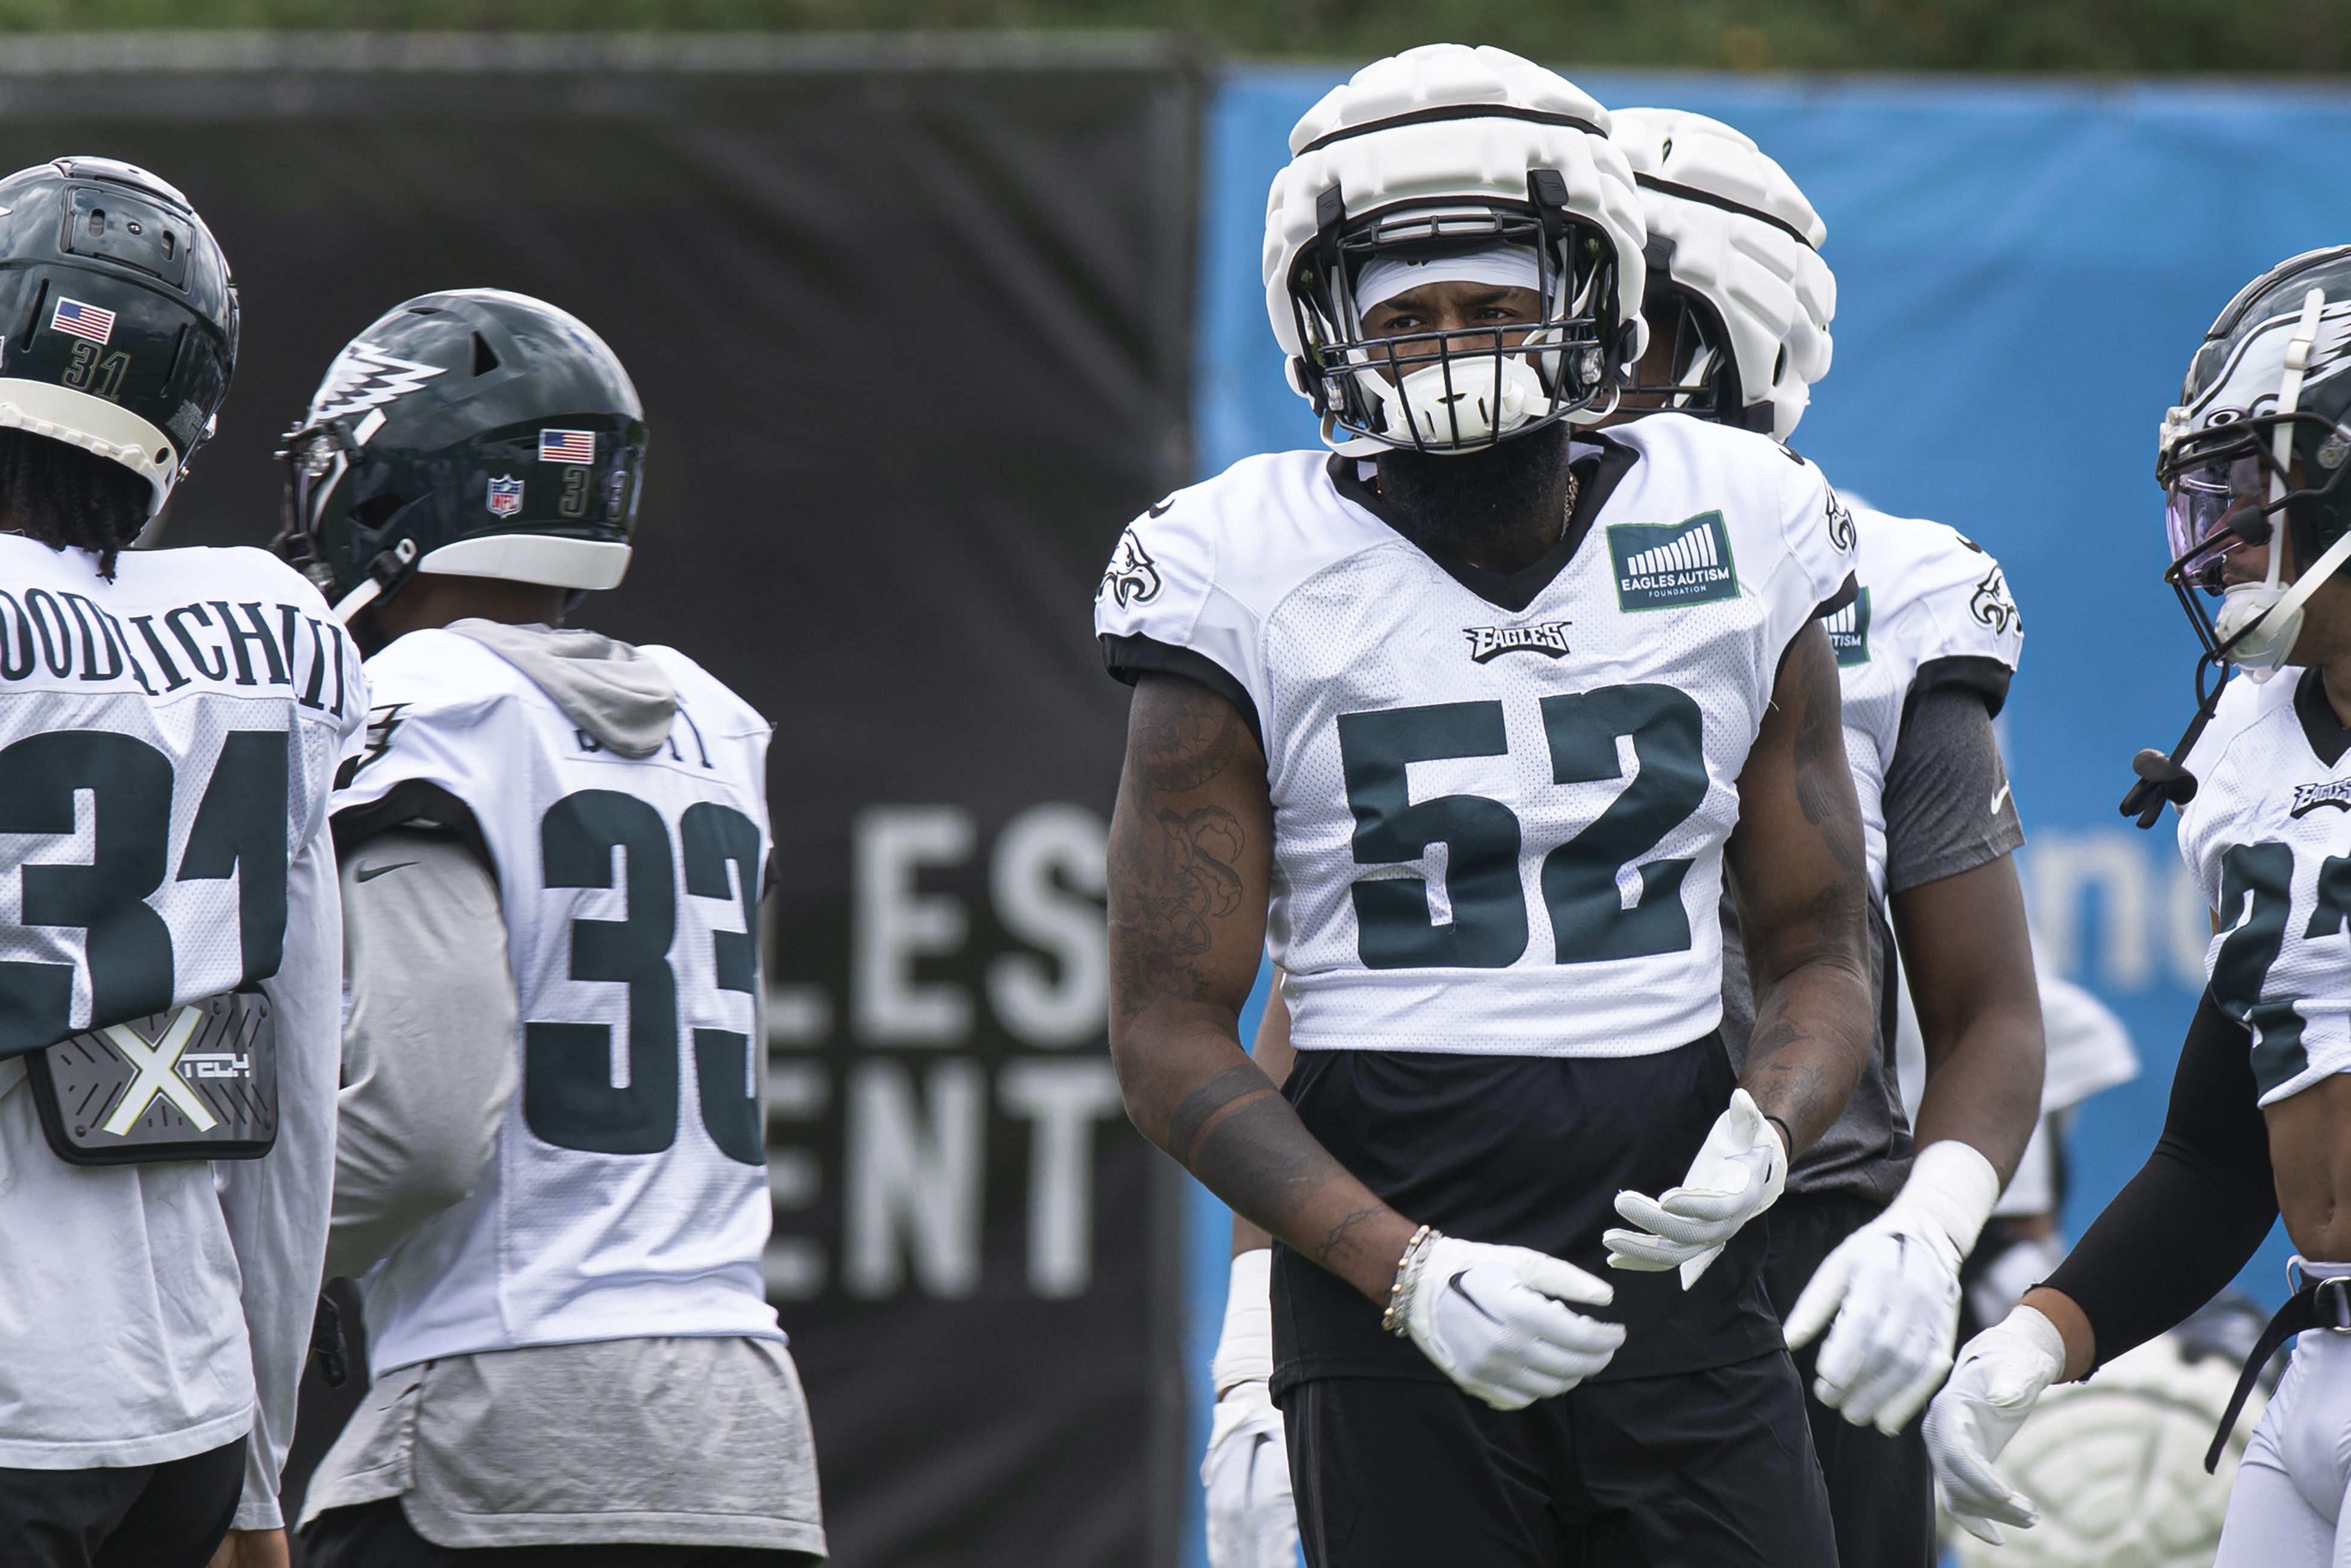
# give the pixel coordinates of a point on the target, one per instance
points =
(911, 321)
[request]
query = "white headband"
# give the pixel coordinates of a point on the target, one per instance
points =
(1501, 265)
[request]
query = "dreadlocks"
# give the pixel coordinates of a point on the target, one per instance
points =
(67, 497)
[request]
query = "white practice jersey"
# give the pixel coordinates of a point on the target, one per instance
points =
(1499, 820)
(168, 743)
(627, 1195)
(1933, 607)
(2268, 838)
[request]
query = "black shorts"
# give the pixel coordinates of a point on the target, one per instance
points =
(1529, 1150)
(1693, 1469)
(170, 1515)
(1881, 1490)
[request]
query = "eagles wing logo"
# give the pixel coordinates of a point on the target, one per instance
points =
(1133, 577)
(381, 722)
(363, 377)
(2309, 798)
(1840, 523)
(1993, 607)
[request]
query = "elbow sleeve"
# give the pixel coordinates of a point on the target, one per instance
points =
(2196, 1211)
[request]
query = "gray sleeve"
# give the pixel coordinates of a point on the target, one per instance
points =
(1947, 804)
(275, 1208)
(428, 1040)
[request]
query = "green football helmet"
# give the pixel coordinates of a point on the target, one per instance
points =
(121, 317)
(472, 433)
(2258, 445)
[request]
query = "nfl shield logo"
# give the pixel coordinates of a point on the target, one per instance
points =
(506, 497)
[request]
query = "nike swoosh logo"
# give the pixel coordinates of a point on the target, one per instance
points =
(1454, 1284)
(1248, 1474)
(1999, 799)
(369, 873)
(1162, 509)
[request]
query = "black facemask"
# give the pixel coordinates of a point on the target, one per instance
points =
(1500, 507)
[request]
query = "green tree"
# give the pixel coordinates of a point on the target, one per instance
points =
(2272, 36)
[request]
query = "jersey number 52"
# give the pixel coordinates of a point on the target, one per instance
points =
(1488, 931)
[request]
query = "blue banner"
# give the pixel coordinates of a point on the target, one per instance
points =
(2023, 273)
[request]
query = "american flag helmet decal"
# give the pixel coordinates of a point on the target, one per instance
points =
(567, 446)
(82, 320)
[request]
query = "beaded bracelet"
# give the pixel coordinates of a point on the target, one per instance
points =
(1408, 1275)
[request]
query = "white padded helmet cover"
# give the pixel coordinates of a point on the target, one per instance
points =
(94, 424)
(1772, 291)
(1478, 159)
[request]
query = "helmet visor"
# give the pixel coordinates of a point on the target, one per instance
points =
(2211, 508)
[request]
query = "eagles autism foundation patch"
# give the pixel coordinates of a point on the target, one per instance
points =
(1849, 631)
(1664, 566)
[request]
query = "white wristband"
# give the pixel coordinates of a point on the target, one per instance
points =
(1245, 1349)
(1950, 1192)
(2032, 1326)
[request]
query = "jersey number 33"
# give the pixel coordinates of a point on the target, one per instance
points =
(568, 1097)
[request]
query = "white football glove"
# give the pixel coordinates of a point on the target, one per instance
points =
(1252, 1519)
(1740, 1172)
(2000, 1374)
(1490, 1318)
(1893, 1288)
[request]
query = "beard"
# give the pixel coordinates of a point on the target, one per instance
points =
(1499, 507)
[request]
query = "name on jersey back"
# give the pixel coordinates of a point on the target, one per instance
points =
(51, 636)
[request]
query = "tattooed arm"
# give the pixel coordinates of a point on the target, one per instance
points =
(1190, 857)
(1803, 887)
(1273, 1053)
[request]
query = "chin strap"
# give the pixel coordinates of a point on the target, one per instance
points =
(2162, 778)
(357, 599)
(382, 572)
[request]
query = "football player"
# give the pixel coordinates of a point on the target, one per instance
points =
(1738, 303)
(2253, 461)
(1867, 1243)
(1485, 707)
(169, 939)
(550, 1183)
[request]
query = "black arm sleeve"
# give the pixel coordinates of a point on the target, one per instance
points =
(2196, 1211)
